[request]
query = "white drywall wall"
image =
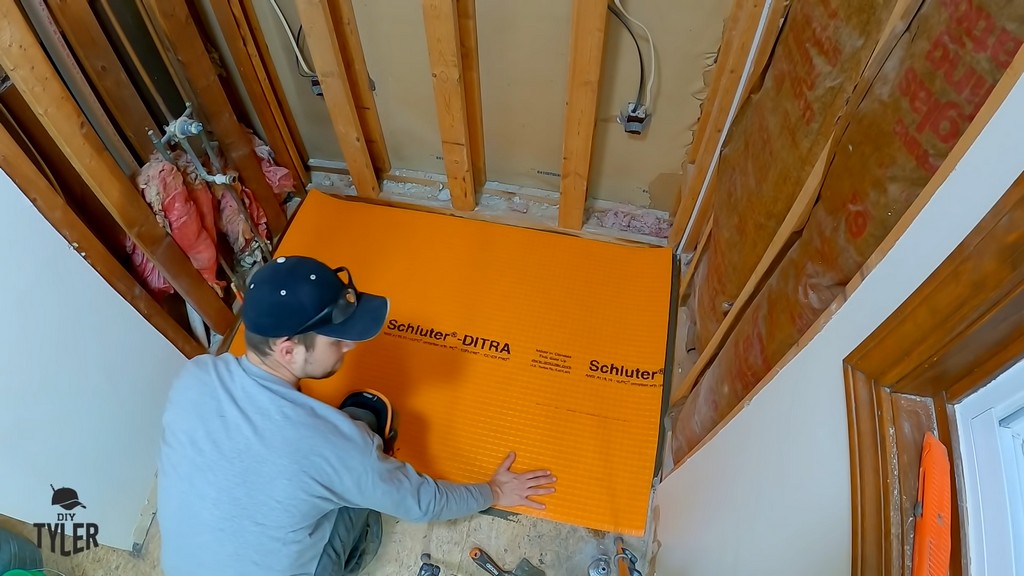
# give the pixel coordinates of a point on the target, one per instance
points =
(83, 383)
(770, 494)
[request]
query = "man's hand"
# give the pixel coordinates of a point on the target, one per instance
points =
(512, 489)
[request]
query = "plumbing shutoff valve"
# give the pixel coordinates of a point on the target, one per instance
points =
(634, 119)
(184, 127)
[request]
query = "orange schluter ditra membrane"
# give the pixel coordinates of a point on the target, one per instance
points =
(501, 338)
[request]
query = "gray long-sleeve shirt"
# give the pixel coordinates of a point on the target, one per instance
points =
(252, 472)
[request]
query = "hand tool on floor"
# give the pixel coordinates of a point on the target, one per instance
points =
(601, 566)
(484, 561)
(427, 568)
(624, 563)
(625, 560)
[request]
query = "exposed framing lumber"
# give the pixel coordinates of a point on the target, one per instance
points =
(898, 23)
(136, 62)
(745, 23)
(259, 55)
(181, 33)
(344, 24)
(48, 201)
(698, 252)
(691, 268)
(711, 96)
(30, 70)
(998, 95)
(68, 69)
(471, 85)
(259, 51)
(22, 124)
(238, 38)
(546, 222)
(328, 60)
(441, 20)
(101, 64)
(589, 21)
(777, 11)
(794, 222)
(176, 69)
(162, 48)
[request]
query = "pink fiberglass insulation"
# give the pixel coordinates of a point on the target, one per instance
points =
(279, 178)
(161, 181)
(638, 223)
(232, 223)
(146, 271)
(199, 192)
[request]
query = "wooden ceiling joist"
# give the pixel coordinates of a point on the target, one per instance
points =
(740, 33)
(794, 222)
(589, 19)
(181, 34)
(331, 68)
(63, 218)
(774, 19)
(29, 68)
(441, 20)
(71, 74)
(136, 62)
(162, 47)
(898, 23)
(97, 57)
(238, 37)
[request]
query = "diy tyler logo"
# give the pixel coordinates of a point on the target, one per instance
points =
(83, 534)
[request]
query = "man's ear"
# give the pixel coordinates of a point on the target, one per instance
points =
(285, 348)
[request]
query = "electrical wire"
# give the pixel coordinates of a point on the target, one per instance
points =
(639, 54)
(295, 46)
(298, 40)
(650, 40)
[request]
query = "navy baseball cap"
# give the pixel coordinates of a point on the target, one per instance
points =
(294, 295)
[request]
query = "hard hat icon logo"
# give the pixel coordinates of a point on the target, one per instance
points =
(66, 498)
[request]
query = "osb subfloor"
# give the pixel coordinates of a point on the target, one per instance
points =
(558, 549)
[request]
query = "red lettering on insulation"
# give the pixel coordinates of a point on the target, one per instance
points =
(856, 218)
(943, 119)
(969, 28)
(1004, 49)
(822, 37)
(982, 32)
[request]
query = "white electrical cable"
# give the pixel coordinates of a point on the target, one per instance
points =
(650, 40)
(291, 38)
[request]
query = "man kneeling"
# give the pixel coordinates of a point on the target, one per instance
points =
(257, 478)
